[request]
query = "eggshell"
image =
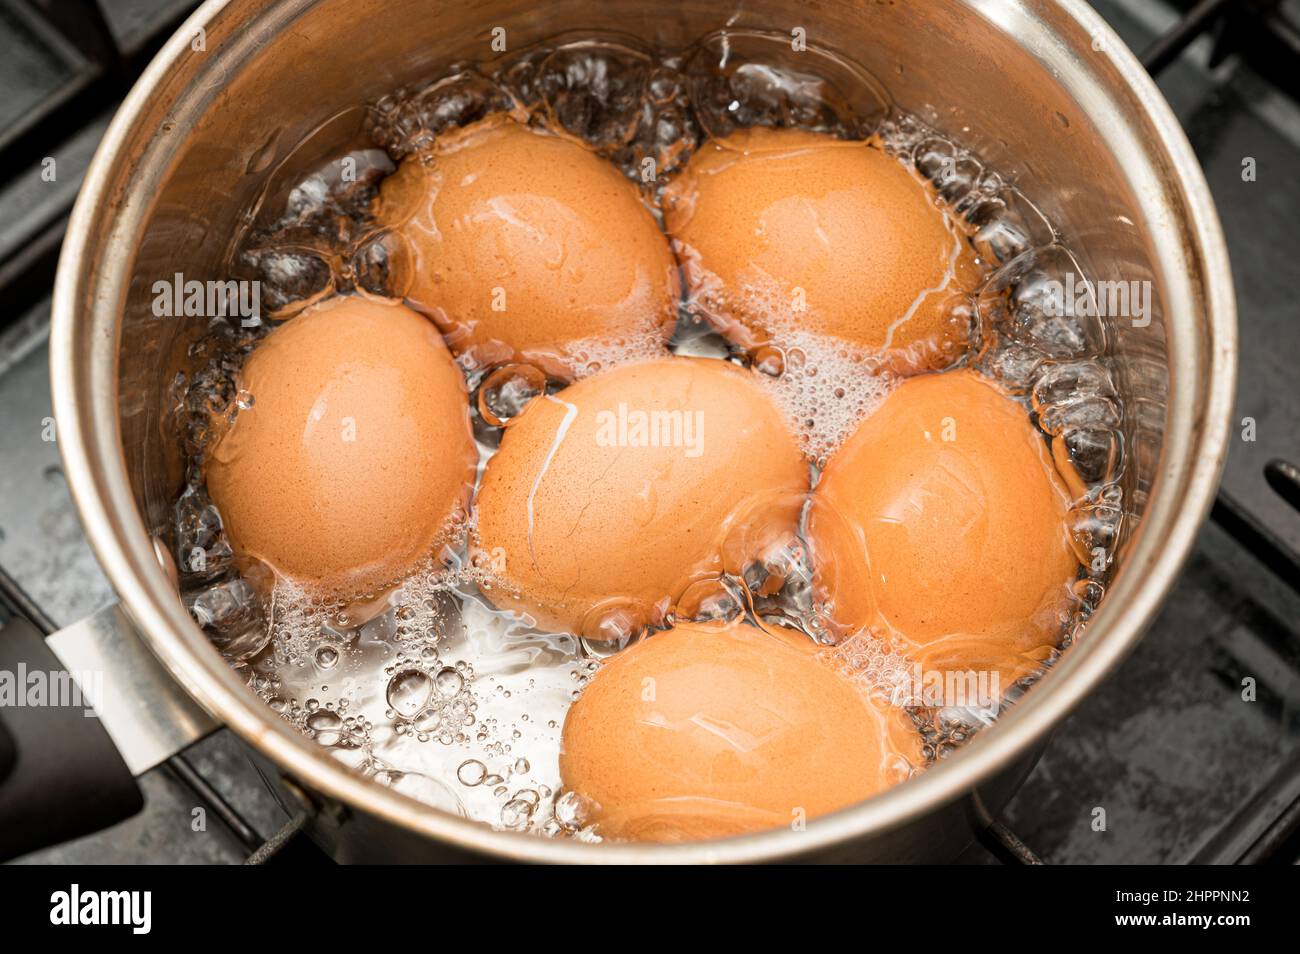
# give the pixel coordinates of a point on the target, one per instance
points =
(709, 730)
(526, 246)
(942, 519)
(356, 453)
(785, 229)
(588, 522)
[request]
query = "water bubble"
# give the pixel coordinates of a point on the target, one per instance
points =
(1088, 457)
(223, 606)
(1065, 382)
(595, 91)
(572, 811)
(1007, 225)
(744, 78)
(516, 814)
(769, 360)
(428, 722)
(203, 552)
(291, 279)
(325, 727)
(1014, 365)
(231, 615)
(506, 391)
(409, 121)
(409, 692)
(618, 100)
(1089, 592)
(422, 788)
(1096, 524)
(448, 682)
(614, 624)
(1094, 413)
(954, 172)
(382, 266)
(471, 773)
(711, 599)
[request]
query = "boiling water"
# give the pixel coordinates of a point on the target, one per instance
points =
(428, 689)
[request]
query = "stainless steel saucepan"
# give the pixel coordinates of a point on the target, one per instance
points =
(1043, 91)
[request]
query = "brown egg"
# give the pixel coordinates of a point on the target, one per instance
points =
(526, 246)
(709, 730)
(781, 230)
(943, 520)
(607, 500)
(356, 452)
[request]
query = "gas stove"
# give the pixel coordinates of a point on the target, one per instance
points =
(1186, 769)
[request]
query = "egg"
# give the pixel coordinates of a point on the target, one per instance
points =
(786, 230)
(608, 499)
(709, 730)
(353, 456)
(525, 246)
(943, 520)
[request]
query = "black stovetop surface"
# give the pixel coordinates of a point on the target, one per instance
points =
(1185, 769)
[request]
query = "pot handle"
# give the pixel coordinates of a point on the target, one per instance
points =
(82, 714)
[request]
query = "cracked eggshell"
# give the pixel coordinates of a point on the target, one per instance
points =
(782, 230)
(609, 498)
(942, 519)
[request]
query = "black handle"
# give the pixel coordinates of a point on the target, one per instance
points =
(60, 775)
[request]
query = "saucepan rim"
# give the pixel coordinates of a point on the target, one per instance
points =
(89, 290)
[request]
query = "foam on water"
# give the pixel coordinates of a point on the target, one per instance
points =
(438, 694)
(825, 388)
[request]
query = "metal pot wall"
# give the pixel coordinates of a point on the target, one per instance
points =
(1041, 90)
